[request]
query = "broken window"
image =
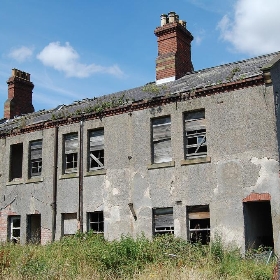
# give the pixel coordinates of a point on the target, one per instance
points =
(69, 224)
(71, 152)
(96, 222)
(16, 161)
(14, 229)
(199, 223)
(195, 134)
(161, 150)
(35, 158)
(96, 149)
(163, 220)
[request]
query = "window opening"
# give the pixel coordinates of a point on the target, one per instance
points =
(69, 224)
(199, 223)
(96, 149)
(16, 161)
(161, 130)
(195, 134)
(36, 158)
(14, 229)
(96, 222)
(71, 152)
(163, 220)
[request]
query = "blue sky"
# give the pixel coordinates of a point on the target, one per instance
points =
(77, 49)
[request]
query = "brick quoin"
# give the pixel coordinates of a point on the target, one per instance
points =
(174, 48)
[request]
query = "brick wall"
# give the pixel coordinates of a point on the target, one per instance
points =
(19, 97)
(174, 51)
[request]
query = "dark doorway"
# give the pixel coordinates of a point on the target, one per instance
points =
(34, 228)
(258, 224)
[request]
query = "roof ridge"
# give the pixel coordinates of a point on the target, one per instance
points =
(234, 62)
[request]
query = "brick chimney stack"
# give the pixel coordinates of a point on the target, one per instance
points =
(19, 95)
(174, 49)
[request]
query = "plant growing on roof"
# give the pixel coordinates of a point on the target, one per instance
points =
(153, 89)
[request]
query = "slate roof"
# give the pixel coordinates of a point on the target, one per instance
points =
(204, 78)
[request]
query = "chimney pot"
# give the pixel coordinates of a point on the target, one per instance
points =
(171, 17)
(183, 23)
(163, 19)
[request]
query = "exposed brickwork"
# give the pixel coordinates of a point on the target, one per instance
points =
(257, 197)
(46, 236)
(174, 51)
(4, 214)
(19, 95)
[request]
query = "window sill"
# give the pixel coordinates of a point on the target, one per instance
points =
(196, 160)
(68, 176)
(96, 172)
(34, 180)
(161, 165)
(16, 181)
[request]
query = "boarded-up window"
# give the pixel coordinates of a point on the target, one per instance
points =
(199, 223)
(14, 229)
(161, 140)
(16, 161)
(163, 220)
(71, 152)
(96, 149)
(70, 224)
(195, 134)
(96, 222)
(35, 158)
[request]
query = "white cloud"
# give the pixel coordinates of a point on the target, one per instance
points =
(66, 59)
(254, 28)
(21, 54)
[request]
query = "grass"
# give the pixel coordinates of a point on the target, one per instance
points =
(89, 256)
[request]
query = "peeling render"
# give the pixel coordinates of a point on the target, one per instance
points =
(267, 173)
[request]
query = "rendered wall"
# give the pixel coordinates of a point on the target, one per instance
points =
(242, 145)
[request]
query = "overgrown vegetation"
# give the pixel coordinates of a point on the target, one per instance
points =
(89, 256)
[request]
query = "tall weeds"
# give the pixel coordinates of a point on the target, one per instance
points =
(89, 256)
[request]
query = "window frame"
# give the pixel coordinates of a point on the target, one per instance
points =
(198, 214)
(38, 160)
(97, 158)
(70, 158)
(159, 139)
(195, 128)
(12, 237)
(161, 225)
(99, 222)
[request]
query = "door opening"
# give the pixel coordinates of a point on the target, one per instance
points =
(34, 228)
(258, 224)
